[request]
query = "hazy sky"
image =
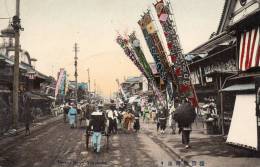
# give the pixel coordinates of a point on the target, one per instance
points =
(51, 27)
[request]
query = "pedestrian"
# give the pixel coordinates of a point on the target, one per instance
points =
(27, 112)
(153, 114)
(172, 122)
(128, 119)
(81, 112)
(88, 115)
(162, 119)
(72, 115)
(185, 115)
(157, 120)
(97, 125)
(185, 130)
(65, 112)
(136, 120)
(112, 115)
(146, 114)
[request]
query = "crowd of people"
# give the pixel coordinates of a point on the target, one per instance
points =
(109, 118)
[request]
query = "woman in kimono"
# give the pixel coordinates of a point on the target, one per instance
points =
(72, 115)
(136, 121)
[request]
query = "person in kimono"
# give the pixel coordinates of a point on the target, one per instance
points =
(172, 122)
(136, 120)
(162, 119)
(72, 115)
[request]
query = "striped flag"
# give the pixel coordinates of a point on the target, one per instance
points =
(249, 51)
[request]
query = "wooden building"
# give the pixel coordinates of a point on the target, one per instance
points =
(228, 68)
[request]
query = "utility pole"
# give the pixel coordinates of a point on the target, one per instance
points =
(118, 85)
(17, 27)
(95, 86)
(88, 80)
(76, 72)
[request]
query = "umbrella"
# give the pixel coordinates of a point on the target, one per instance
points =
(185, 114)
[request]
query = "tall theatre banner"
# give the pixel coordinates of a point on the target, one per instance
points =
(129, 51)
(60, 83)
(147, 28)
(154, 42)
(181, 69)
(135, 43)
(141, 57)
(124, 43)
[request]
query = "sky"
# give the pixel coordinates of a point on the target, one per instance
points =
(51, 27)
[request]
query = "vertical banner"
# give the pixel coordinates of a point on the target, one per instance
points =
(63, 82)
(140, 55)
(124, 43)
(59, 81)
(143, 22)
(156, 48)
(181, 68)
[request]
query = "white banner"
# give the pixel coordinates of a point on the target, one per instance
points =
(243, 128)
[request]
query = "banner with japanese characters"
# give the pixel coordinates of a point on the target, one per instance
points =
(157, 50)
(124, 43)
(59, 81)
(146, 25)
(139, 63)
(135, 43)
(181, 69)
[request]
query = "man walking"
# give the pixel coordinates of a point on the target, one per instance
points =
(136, 121)
(185, 130)
(97, 124)
(112, 115)
(162, 119)
(172, 122)
(27, 112)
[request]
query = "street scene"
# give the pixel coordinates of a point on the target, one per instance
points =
(130, 83)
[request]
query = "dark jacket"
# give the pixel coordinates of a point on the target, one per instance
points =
(97, 121)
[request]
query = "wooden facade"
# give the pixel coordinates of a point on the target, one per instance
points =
(219, 69)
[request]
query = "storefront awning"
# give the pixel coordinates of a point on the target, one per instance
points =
(239, 87)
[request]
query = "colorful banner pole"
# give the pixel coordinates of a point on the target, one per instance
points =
(141, 57)
(181, 68)
(143, 22)
(59, 82)
(156, 48)
(135, 43)
(130, 53)
(124, 43)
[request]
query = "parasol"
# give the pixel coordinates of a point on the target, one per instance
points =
(185, 114)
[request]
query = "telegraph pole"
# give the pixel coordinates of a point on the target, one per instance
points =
(76, 72)
(95, 86)
(88, 80)
(17, 27)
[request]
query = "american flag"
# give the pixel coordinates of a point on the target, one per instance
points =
(249, 51)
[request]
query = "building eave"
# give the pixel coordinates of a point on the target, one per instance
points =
(213, 42)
